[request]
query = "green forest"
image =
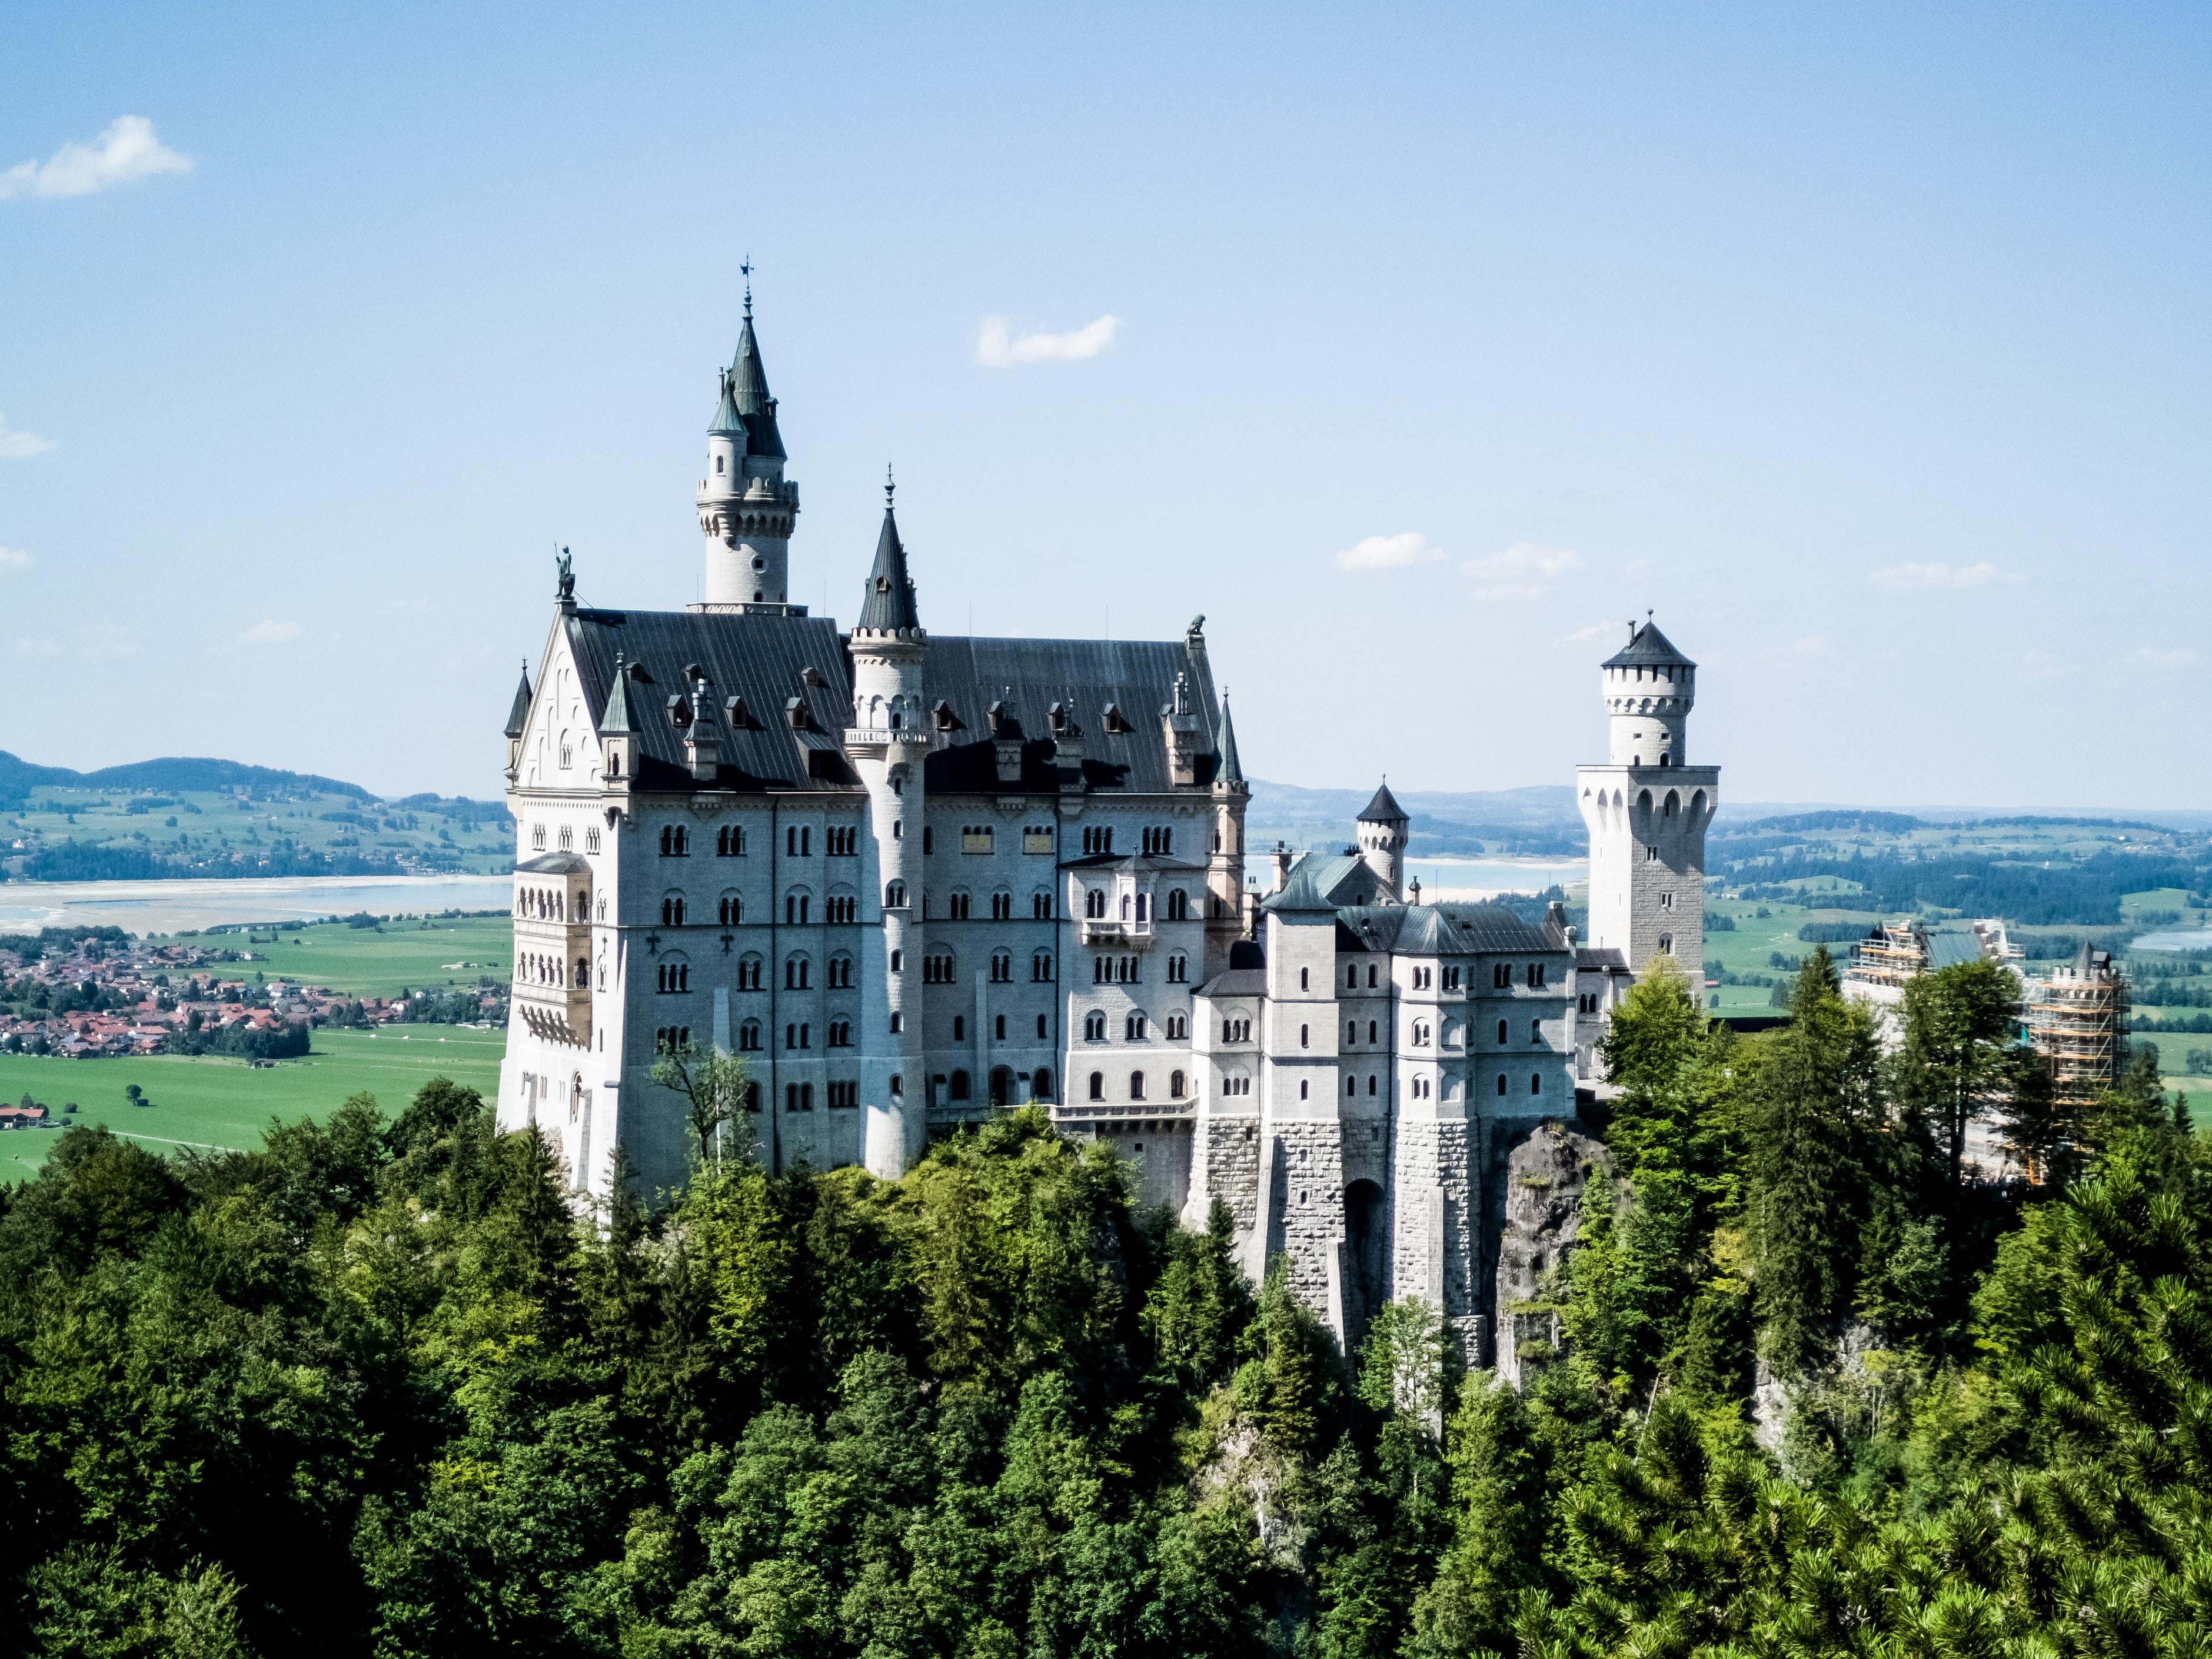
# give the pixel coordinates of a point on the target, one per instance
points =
(373, 1389)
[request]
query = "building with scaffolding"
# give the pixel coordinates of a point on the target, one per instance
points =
(1895, 953)
(2078, 1021)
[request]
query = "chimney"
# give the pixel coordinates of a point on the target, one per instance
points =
(702, 742)
(1281, 856)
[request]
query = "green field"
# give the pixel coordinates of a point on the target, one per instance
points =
(225, 1102)
(364, 962)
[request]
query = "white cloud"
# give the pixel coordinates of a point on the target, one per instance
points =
(126, 152)
(2162, 657)
(14, 558)
(997, 346)
(1930, 578)
(1594, 631)
(1811, 643)
(270, 633)
(1389, 553)
(17, 445)
(1520, 571)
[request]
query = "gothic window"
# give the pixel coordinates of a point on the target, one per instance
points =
(730, 909)
(537, 837)
(840, 973)
(796, 904)
(748, 972)
(1002, 967)
(894, 895)
(1094, 901)
(1132, 1029)
(1040, 967)
(675, 841)
(672, 911)
(730, 842)
(1094, 1027)
(749, 1036)
(956, 906)
(1178, 970)
(797, 973)
(583, 980)
(1178, 905)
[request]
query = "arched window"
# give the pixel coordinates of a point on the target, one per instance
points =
(1002, 906)
(1136, 1085)
(1502, 1037)
(1094, 1027)
(1098, 1085)
(797, 973)
(958, 1089)
(730, 910)
(1002, 967)
(796, 904)
(1351, 1085)
(1178, 970)
(1371, 1030)
(956, 906)
(750, 970)
(1535, 1030)
(1370, 1082)
(1666, 944)
(1041, 905)
(1178, 905)
(840, 973)
(1535, 1083)
(894, 895)
(583, 980)
(672, 911)
(1040, 1085)
(1094, 901)
(1040, 967)
(1501, 1083)
(1305, 1036)
(1174, 1086)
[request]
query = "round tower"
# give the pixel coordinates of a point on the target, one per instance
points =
(887, 743)
(1649, 688)
(1382, 829)
(746, 507)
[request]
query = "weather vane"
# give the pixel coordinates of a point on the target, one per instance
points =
(746, 267)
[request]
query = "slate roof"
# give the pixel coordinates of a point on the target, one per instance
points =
(888, 605)
(1136, 676)
(1950, 946)
(1322, 882)
(1235, 982)
(1600, 959)
(749, 392)
(1434, 930)
(1383, 809)
(1227, 769)
(554, 864)
(518, 718)
(1647, 647)
(758, 657)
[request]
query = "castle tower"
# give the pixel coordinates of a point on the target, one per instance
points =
(1646, 810)
(887, 742)
(1225, 866)
(746, 507)
(1382, 828)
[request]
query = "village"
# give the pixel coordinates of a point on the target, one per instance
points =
(96, 993)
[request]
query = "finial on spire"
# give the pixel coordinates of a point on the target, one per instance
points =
(889, 486)
(747, 269)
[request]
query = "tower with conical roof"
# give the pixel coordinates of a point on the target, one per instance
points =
(887, 743)
(1383, 827)
(746, 505)
(1647, 811)
(1224, 868)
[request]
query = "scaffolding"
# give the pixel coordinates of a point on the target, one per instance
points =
(1895, 953)
(2078, 1021)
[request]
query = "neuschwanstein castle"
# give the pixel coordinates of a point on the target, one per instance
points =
(913, 877)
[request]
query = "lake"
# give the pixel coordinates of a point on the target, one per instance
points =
(2176, 939)
(170, 906)
(1465, 880)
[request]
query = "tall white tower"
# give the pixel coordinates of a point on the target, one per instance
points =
(1382, 825)
(1647, 809)
(887, 740)
(746, 505)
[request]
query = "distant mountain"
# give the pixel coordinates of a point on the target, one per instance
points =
(1537, 821)
(175, 774)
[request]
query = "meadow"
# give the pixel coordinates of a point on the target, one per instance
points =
(211, 1103)
(398, 955)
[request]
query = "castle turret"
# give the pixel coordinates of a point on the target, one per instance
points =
(887, 743)
(1224, 868)
(1647, 811)
(1382, 828)
(746, 507)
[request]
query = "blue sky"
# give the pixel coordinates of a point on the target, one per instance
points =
(1868, 346)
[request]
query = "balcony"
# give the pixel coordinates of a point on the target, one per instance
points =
(546, 990)
(1110, 930)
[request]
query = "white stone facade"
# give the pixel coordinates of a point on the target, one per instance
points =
(912, 879)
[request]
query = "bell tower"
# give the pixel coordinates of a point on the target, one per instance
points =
(746, 505)
(1646, 810)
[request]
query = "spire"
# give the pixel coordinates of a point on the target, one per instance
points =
(889, 606)
(618, 715)
(747, 391)
(1227, 769)
(518, 718)
(1385, 808)
(728, 422)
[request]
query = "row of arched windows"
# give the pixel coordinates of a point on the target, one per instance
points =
(1176, 1084)
(531, 968)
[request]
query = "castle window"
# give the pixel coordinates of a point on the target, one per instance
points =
(730, 842)
(976, 837)
(1159, 840)
(1370, 1084)
(1178, 905)
(1666, 900)
(1650, 855)
(672, 911)
(718, 462)
(898, 1022)
(798, 1097)
(1002, 968)
(797, 973)
(1535, 975)
(749, 1036)
(840, 1034)
(898, 962)
(1174, 1086)
(1178, 970)
(1302, 1094)
(1371, 1030)
(1041, 1028)
(1097, 838)
(748, 972)
(797, 1036)
(1094, 901)
(1501, 976)
(1352, 977)
(1041, 905)
(1094, 1027)
(1040, 967)
(1136, 1085)
(840, 973)
(1502, 1037)
(898, 1085)
(1178, 1028)
(673, 976)
(841, 908)
(795, 907)
(675, 841)
(1535, 1030)
(1535, 1083)
(1350, 1086)
(730, 909)
(1351, 1032)
(894, 895)
(568, 838)
(959, 1088)
(671, 1039)
(936, 967)
(1301, 978)
(1040, 1085)
(841, 843)
(798, 842)
(1501, 1083)
(956, 906)
(1451, 979)
(1002, 906)
(592, 839)
(1304, 1038)
(999, 1028)
(538, 837)
(1666, 944)
(1037, 838)
(1132, 1029)
(844, 1094)
(1098, 1085)
(928, 839)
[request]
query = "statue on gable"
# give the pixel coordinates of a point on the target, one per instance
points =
(564, 577)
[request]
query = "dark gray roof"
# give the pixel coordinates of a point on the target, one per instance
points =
(1227, 769)
(728, 422)
(1383, 809)
(1442, 930)
(1647, 647)
(518, 717)
(1028, 676)
(1235, 982)
(1600, 959)
(749, 392)
(1949, 946)
(1324, 882)
(758, 657)
(553, 864)
(888, 605)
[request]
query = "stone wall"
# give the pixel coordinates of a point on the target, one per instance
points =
(1540, 1197)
